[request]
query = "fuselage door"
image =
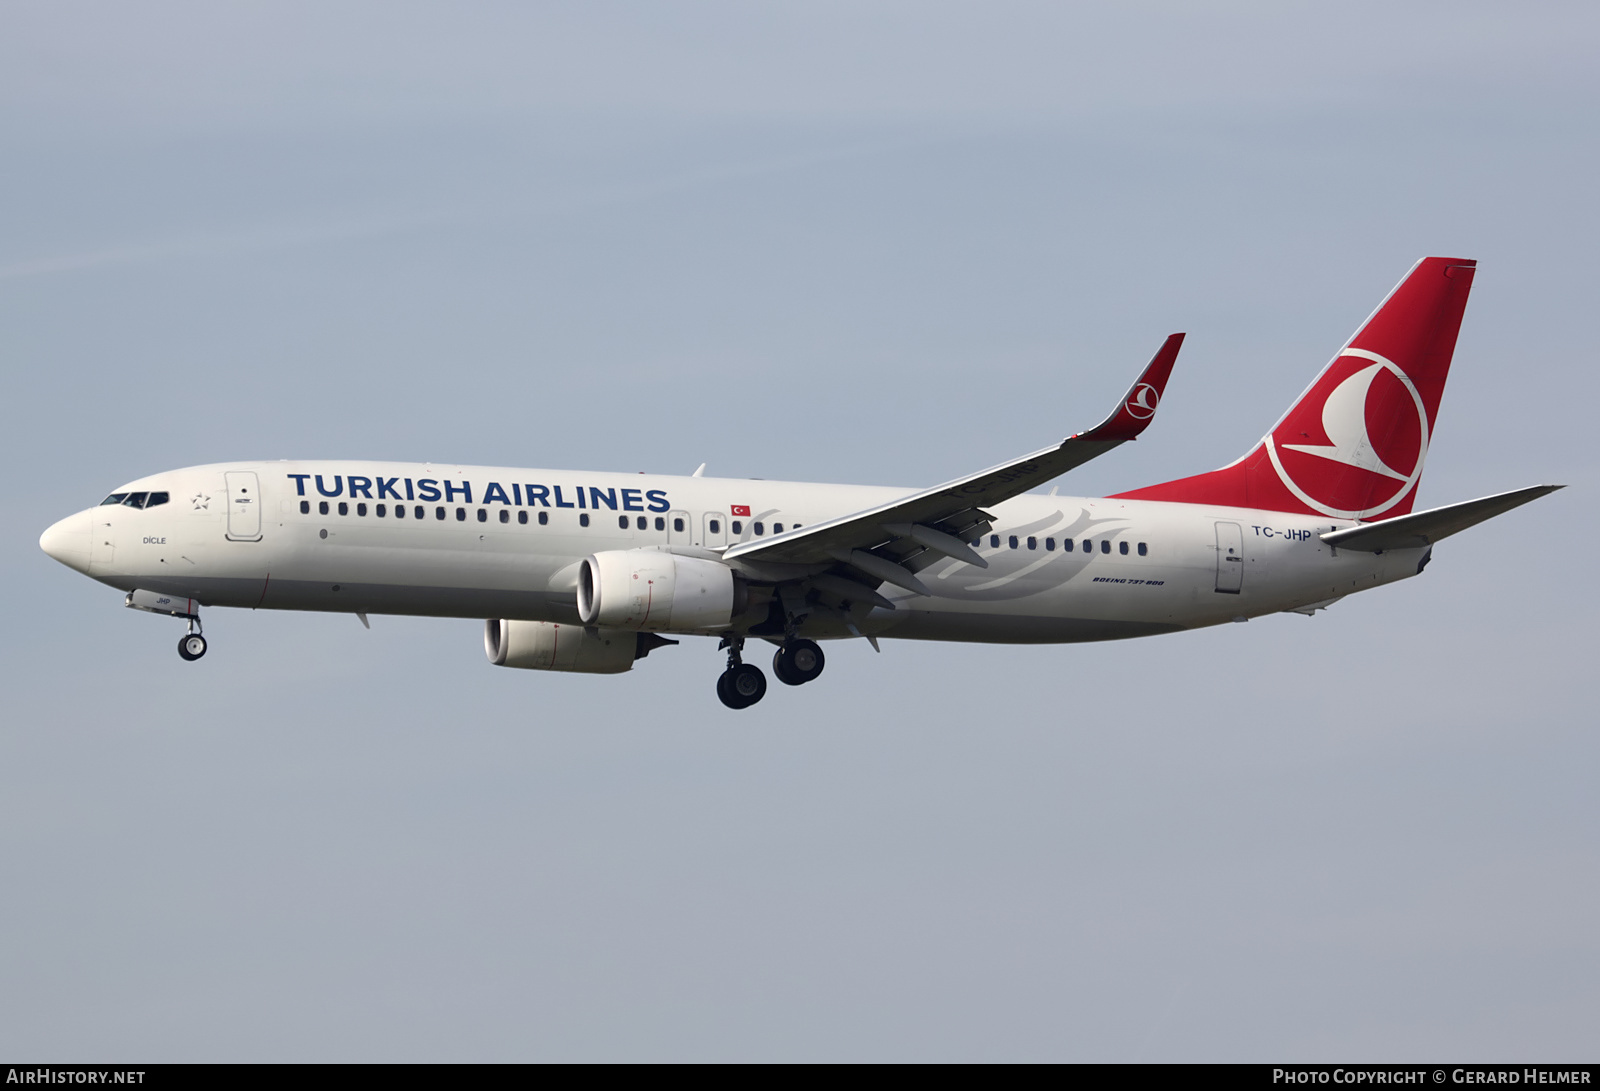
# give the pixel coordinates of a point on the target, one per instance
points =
(244, 506)
(1230, 558)
(680, 528)
(715, 526)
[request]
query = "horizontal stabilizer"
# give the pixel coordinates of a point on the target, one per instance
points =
(1426, 527)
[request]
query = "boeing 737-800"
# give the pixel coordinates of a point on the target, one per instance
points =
(589, 572)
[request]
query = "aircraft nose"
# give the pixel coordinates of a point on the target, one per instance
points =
(68, 540)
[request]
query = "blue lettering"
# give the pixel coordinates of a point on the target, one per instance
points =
(408, 490)
(560, 503)
(494, 492)
(360, 486)
(387, 489)
(338, 486)
(427, 488)
(579, 491)
(450, 490)
(658, 500)
(299, 483)
(516, 490)
(596, 496)
(539, 493)
(632, 500)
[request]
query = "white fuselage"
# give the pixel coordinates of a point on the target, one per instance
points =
(471, 543)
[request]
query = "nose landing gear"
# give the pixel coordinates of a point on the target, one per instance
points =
(742, 684)
(193, 644)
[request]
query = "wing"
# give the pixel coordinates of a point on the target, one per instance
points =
(891, 542)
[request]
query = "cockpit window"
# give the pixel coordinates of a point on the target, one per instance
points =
(114, 498)
(156, 498)
(135, 500)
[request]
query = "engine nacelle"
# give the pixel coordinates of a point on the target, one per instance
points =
(655, 591)
(549, 646)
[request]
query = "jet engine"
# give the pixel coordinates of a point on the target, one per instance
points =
(652, 590)
(548, 646)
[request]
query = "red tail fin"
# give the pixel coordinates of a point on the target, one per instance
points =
(1353, 445)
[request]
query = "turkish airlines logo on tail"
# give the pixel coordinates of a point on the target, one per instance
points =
(1142, 406)
(1353, 447)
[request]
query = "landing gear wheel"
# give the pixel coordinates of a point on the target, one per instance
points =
(742, 686)
(798, 662)
(192, 647)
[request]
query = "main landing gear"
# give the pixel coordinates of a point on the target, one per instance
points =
(742, 684)
(797, 662)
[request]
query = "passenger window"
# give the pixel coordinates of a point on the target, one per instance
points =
(994, 541)
(135, 499)
(344, 509)
(483, 515)
(583, 520)
(1143, 549)
(114, 498)
(1013, 541)
(420, 512)
(1088, 546)
(1049, 545)
(1066, 545)
(322, 507)
(438, 513)
(522, 518)
(677, 526)
(1105, 545)
(777, 528)
(505, 515)
(305, 507)
(156, 498)
(716, 527)
(738, 527)
(399, 511)
(759, 528)
(361, 509)
(381, 510)
(1122, 548)
(1033, 543)
(622, 521)
(661, 524)
(544, 517)
(461, 515)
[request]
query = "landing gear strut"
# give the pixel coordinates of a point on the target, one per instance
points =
(193, 644)
(798, 662)
(742, 684)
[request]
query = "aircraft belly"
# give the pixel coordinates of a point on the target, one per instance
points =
(1002, 628)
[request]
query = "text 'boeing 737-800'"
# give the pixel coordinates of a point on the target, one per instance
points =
(590, 572)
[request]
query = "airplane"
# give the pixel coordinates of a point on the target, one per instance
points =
(590, 572)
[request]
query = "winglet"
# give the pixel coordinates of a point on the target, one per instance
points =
(1138, 407)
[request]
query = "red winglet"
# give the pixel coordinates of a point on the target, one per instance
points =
(1138, 407)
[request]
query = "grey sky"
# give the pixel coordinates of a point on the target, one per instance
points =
(884, 243)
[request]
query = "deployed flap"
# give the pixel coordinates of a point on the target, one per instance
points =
(1426, 527)
(821, 542)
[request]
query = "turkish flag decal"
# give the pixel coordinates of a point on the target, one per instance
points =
(740, 509)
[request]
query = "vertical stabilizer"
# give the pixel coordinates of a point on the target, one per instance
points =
(1353, 445)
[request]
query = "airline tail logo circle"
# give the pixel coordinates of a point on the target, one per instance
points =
(1141, 405)
(1353, 447)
